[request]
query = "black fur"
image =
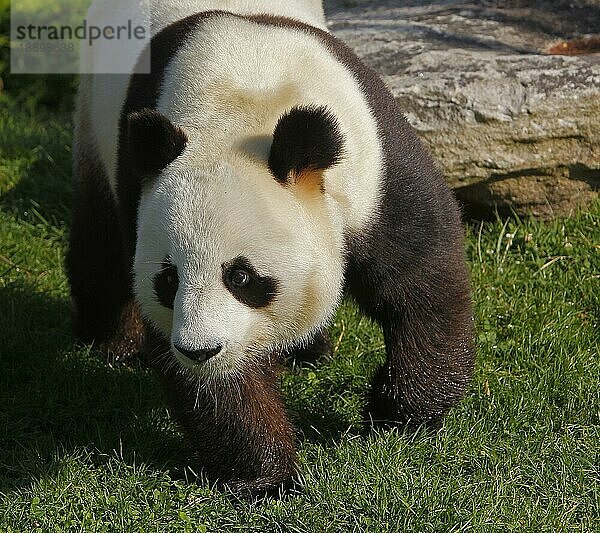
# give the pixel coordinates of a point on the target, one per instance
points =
(166, 283)
(260, 290)
(152, 141)
(103, 310)
(305, 138)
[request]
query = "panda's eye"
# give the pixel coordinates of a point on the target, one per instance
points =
(247, 285)
(166, 283)
(239, 278)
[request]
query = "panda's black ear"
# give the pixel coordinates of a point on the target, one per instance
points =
(307, 141)
(153, 141)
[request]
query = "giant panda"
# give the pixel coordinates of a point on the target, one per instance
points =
(227, 201)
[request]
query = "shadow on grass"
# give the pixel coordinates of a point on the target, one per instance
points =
(324, 398)
(55, 400)
(319, 422)
(41, 196)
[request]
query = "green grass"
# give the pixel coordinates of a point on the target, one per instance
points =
(31, 92)
(86, 446)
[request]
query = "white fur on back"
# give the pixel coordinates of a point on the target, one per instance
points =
(309, 11)
(228, 94)
(105, 93)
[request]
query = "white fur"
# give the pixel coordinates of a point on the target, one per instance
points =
(228, 92)
(109, 90)
(227, 87)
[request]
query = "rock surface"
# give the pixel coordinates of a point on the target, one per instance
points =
(512, 126)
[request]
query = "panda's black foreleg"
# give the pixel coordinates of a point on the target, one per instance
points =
(420, 380)
(103, 311)
(427, 325)
(237, 427)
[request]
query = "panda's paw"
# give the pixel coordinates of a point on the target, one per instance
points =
(126, 344)
(318, 349)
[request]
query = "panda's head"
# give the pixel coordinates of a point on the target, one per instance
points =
(240, 258)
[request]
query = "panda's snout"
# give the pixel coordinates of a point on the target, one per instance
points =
(199, 356)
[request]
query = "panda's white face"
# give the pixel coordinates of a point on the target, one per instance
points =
(231, 265)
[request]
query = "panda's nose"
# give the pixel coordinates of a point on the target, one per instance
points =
(199, 355)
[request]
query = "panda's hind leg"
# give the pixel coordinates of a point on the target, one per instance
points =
(102, 306)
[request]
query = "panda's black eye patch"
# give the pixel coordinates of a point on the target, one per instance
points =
(246, 285)
(166, 283)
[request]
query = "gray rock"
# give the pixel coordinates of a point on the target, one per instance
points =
(512, 126)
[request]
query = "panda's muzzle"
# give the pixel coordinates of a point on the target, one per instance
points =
(199, 356)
